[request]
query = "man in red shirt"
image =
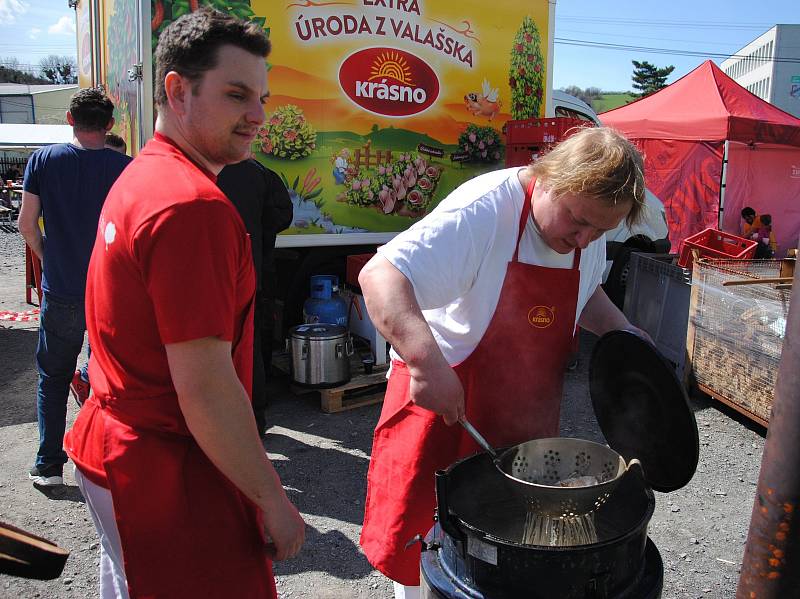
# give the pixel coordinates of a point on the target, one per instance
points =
(167, 452)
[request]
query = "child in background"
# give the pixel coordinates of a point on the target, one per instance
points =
(765, 237)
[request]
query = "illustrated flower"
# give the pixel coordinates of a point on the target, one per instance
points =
(528, 38)
(276, 120)
(512, 82)
(415, 197)
(497, 155)
(356, 184)
(290, 134)
(519, 47)
(424, 183)
(432, 172)
(481, 146)
(472, 137)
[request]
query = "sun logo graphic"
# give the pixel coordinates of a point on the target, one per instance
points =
(391, 64)
(388, 81)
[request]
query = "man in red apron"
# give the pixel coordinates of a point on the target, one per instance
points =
(480, 301)
(166, 449)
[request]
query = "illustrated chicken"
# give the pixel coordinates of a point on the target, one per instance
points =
(485, 103)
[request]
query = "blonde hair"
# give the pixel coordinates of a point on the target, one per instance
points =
(597, 162)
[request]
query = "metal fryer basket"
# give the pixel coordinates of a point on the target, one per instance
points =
(537, 467)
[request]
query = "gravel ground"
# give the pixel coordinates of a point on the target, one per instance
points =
(700, 530)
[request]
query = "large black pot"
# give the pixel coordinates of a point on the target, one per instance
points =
(476, 548)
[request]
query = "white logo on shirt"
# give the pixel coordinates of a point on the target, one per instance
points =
(109, 234)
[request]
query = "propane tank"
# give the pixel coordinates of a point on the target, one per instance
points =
(325, 304)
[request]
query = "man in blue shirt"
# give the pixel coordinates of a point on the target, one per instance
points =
(67, 185)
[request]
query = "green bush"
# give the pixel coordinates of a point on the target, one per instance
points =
(481, 143)
(287, 134)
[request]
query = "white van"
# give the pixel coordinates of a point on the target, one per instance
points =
(648, 235)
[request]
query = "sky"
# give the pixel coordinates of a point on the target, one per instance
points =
(33, 29)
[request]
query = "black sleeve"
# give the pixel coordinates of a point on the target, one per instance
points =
(278, 211)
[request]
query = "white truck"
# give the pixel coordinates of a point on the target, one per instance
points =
(360, 91)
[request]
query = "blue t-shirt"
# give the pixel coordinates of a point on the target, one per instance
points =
(72, 184)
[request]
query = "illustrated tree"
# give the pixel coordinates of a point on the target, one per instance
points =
(648, 78)
(166, 11)
(526, 72)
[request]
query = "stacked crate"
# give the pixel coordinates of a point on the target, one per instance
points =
(735, 334)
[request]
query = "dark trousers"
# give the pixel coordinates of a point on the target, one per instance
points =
(61, 328)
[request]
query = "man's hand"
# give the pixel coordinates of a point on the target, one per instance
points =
(439, 390)
(285, 528)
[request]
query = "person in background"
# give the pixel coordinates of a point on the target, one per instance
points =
(751, 222)
(767, 245)
(13, 174)
(263, 202)
(79, 387)
(480, 300)
(67, 184)
(167, 454)
(115, 142)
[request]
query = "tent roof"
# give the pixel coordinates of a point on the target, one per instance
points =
(705, 105)
(13, 135)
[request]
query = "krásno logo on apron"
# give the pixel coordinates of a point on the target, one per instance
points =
(541, 317)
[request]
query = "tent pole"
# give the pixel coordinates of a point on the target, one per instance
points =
(722, 183)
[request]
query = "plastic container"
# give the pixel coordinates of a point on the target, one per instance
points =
(713, 243)
(325, 304)
(657, 298)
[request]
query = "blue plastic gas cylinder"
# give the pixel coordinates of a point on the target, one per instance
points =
(325, 304)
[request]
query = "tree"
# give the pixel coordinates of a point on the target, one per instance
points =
(648, 78)
(58, 69)
(588, 95)
(12, 71)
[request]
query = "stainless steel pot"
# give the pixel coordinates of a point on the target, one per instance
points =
(320, 354)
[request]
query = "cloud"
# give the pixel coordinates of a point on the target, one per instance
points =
(10, 10)
(65, 26)
(34, 33)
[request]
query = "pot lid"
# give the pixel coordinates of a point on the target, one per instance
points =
(643, 410)
(318, 331)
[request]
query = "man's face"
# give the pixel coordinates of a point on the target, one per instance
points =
(225, 109)
(749, 218)
(573, 221)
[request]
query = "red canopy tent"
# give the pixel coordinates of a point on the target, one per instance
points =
(687, 132)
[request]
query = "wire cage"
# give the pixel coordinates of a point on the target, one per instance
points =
(736, 333)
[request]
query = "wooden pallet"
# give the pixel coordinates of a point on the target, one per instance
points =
(362, 390)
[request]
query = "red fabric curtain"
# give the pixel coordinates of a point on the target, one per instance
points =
(767, 178)
(685, 175)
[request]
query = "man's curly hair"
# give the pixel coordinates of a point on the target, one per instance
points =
(189, 45)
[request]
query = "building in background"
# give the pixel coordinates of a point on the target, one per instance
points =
(769, 67)
(35, 104)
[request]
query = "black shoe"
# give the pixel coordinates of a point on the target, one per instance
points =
(47, 476)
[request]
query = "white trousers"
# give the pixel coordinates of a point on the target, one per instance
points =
(113, 584)
(405, 592)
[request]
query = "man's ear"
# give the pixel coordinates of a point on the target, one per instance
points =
(70, 119)
(177, 89)
(110, 124)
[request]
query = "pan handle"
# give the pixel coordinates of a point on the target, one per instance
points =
(446, 520)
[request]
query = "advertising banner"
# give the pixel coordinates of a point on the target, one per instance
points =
(380, 108)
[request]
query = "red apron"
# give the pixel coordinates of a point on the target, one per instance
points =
(512, 382)
(186, 530)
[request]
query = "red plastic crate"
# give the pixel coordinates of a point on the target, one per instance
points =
(353, 266)
(530, 138)
(712, 243)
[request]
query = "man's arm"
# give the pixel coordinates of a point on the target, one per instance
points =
(220, 417)
(28, 222)
(394, 310)
(600, 316)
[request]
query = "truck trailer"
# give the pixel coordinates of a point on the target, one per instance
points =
(378, 108)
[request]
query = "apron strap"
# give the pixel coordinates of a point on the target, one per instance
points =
(523, 219)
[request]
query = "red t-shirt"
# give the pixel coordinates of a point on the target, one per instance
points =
(171, 263)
